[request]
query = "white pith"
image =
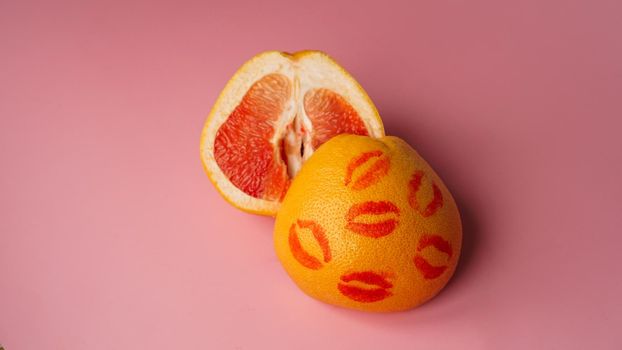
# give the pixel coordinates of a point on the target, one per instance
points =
(312, 70)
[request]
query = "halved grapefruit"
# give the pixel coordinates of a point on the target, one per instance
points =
(275, 111)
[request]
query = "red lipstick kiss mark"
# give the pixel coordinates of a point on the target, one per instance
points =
(376, 229)
(298, 251)
(365, 295)
(372, 175)
(435, 204)
(430, 271)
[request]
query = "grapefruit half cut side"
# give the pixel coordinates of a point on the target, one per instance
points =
(275, 111)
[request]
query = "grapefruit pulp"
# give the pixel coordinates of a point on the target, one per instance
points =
(270, 118)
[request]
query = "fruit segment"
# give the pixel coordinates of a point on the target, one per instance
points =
(242, 148)
(331, 115)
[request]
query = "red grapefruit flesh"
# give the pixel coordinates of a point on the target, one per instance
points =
(331, 115)
(242, 147)
(270, 118)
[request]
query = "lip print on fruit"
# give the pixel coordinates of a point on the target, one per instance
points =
(382, 224)
(299, 253)
(375, 286)
(379, 167)
(428, 270)
(414, 186)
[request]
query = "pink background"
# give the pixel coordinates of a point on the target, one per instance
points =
(111, 236)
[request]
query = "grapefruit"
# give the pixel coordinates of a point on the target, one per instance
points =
(270, 118)
(367, 224)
